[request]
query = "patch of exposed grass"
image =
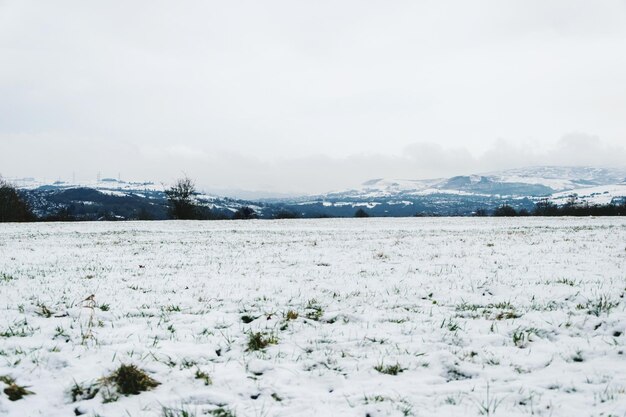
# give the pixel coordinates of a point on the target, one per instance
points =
(18, 329)
(6, 277)
(488, 405)
(503, 305)
(44, 311)
(176, 412)
(455, 374)
(465, 306)
(186, 363)
(222, 412)
(80, 392)
(292, 315)
(374, 399)
(389, 369)
(13, 391)
(596, 307)
(507, 310)
(59, 332)
(313, 310)
(204, 376)
(258, 341)
(507, 315)
(521, 337)
(451, 325)
(130, 380)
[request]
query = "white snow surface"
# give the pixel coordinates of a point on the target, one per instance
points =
(483, 316)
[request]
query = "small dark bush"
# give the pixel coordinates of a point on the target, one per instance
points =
(244, 213)
(361, 213)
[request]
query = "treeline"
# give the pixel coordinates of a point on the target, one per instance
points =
(547, 208)
(181, 203)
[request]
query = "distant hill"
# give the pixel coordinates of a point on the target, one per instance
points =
(459, 195)
(112, 199)
(462, 195)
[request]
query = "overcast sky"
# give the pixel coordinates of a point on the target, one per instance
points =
(308, 96)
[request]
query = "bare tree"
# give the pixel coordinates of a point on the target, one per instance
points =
(181, 199)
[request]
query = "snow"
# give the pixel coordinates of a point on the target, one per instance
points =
(431, 191)
(554, 183)
(114, 187)
(379, 188)
(603, 194)
(494, 316)
(114, 193)
(369, 205)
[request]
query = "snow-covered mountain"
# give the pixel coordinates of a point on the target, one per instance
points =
(526, 182)
(464, 194)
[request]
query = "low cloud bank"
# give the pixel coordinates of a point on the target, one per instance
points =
(62, 158)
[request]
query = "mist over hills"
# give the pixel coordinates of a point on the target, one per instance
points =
(460, 195)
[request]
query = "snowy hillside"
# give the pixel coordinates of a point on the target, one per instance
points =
(113, 199)
(605, 194)
(460, 195)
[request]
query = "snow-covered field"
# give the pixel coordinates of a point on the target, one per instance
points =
(360, 317)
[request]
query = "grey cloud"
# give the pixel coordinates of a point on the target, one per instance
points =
(307, 96)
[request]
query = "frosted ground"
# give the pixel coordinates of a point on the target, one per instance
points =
(372, 317)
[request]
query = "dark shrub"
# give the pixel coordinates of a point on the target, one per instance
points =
(244, 213)
(361, 213)
(505, 211)
(13, 208)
